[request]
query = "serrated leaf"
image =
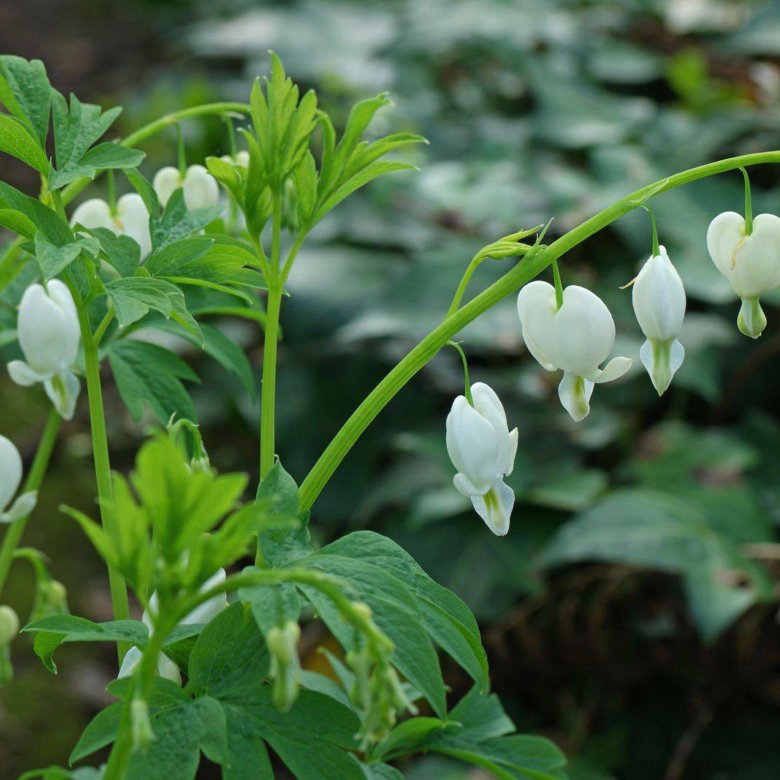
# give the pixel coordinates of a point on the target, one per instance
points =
(26, 93)
(134, 297)
(53, 260)
(148, 375)
(177, 222)
(122, 252)
(45, 219)
(16, 140)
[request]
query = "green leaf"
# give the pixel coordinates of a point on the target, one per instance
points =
(17, 222)
(396, 612)
(122, 252)
(447, 619)
(134, 297)
(52, 631)
(278, 493)
(662, 532)
(16, 140)
(76, 128)
(26, 93)
(53, 260)
(177, 222)
(272, 605)
(45, 219)
(148, 375)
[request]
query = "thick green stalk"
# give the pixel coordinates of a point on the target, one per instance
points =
(102, 463)
(522, 273)
(34, 479)
(268, 399)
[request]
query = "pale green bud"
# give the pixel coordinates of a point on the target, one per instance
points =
(9, 625)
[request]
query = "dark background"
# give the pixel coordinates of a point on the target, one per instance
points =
(631, 612)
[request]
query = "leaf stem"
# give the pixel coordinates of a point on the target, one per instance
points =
(510, 282)
(102, 464)
(34, 479)
(466, 379)
(558, 284)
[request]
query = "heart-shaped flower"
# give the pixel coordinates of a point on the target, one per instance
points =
(750, 263)
(10, 479)
(200, 188)
(131, 218)
(576, 338)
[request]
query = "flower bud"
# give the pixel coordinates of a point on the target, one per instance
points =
(659, 304)
(285, 666)
(10, 479)
(131, 218)
(200, 188)
(9, 625)
(751, 264)
(51, 598)
(483, 451)
(576, 338)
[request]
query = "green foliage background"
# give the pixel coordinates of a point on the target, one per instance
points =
(631, 612)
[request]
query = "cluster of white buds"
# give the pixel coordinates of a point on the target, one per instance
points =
(9, 628)
(205, 613)
(199, 187)
(49, 335)
(130, 217)
(10, 479)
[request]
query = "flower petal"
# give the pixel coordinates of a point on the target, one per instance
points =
(613, 370)
(489, 405)
(20, 508)
(662, 359)
(211, 608)
(584, 331)
(93, 213)
(658, 297)
(166, 181)
(200, 188)
(63, 391)
(23, 375)
(472, 444)
(134, 218)
(10, 471)
(495, 507)
(536, 309)
(575, 392)
(43, 330)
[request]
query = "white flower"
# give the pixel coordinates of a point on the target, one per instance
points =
(10, 478)
(205, 613)
(241, 160)
(131, 219)
(200, 187)
(49, 335)
(576, 338)
(659, 304)
(751, 264)
(483, 451)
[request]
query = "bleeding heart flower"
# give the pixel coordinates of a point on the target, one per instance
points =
(131, 218)
(10, 479)
(199, 186)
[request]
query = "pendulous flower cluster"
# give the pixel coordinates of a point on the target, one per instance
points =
(571, 330)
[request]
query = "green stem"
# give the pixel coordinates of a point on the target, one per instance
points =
(103, 327)
(34, 479)
(466, 379)
(464, 283)
(102, 464)
(558, 284)
(748, 204)
(147, 131)
(654, 229)
(268, 398)
(510, 282)
(181, 152)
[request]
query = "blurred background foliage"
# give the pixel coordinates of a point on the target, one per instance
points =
(631, 613)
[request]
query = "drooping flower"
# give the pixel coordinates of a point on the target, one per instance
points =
(204, 613)
(576, 338)
(483, 451)
(240, 160)
(659, 304)
(49, 336)
(10, 479)
(200, 188)
(750, 263)
(131, 218)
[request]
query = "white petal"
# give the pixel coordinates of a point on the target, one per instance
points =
(207, 611)
(488, 404)
(129, 662)
(133, 217)
(495, 507)
(44, 331)
(575, 392)
(63, 391)
(751, 319)
(166, 181)
(168, 669)
(200, 188)
(472, 444)
(584, 331)
(613, 370)
(662, 359)
(465, 486)
(20, 508)
(93, 213)
(658, 297)
(536, 308)
(60, 294)
(751, 264)
(10, 471)
(23, 375)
